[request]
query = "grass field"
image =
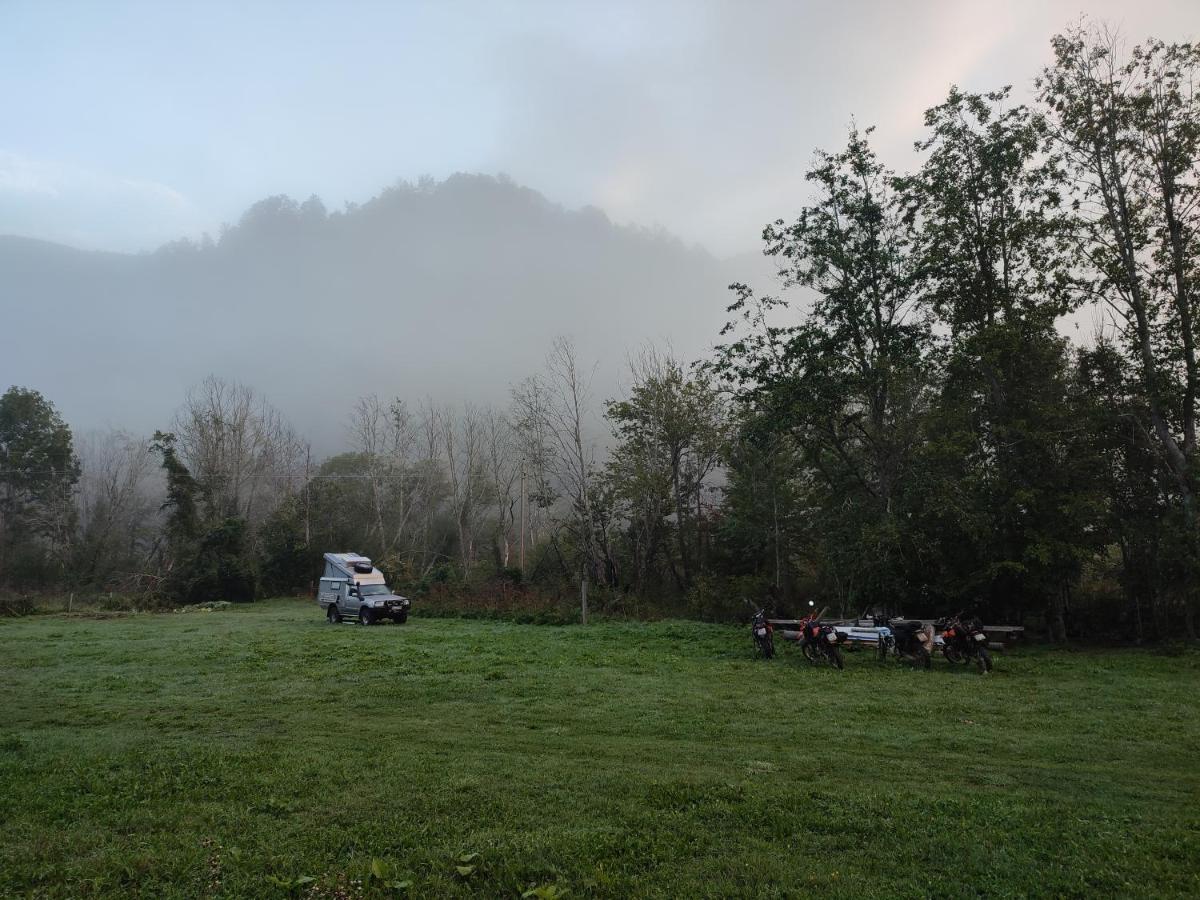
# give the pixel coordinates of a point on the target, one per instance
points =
(244, 751)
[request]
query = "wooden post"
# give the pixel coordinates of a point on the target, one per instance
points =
(583, 600)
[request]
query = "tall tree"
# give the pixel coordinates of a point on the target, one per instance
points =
(670, 432)
(993, 242)
(1128, 126)
(38, 474)
(850, 381)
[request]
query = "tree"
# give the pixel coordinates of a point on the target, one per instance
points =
(990, 233)
(239, 447)
(38, 474)
(670, 432)
(552, 413)
(1129, 131)
(115, 504)
(995, 268)
(848, 383)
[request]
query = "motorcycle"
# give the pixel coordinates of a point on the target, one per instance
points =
(763, 633)
(819, 641)
(963, 640)
(904, 639)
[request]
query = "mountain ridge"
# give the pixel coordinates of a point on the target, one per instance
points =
(450, 289)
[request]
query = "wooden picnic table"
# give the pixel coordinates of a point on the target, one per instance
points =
(865, 631)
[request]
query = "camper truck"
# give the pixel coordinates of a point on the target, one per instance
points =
(351, 587)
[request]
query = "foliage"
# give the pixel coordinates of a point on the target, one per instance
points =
(38, 473)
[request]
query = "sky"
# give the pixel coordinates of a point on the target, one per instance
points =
(125, 125)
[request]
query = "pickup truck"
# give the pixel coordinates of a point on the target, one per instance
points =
(351, 587)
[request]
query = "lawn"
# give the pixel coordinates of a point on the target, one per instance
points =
(244, 751)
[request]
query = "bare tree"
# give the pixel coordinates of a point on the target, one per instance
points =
(552, 411)
(369, 423)
(504, 469)
(464, 444)
(117, 501)
(238, 447)
(530, 422)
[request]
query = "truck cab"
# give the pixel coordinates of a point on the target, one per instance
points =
(351, 587)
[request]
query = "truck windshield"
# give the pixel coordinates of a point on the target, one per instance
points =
(372, 590)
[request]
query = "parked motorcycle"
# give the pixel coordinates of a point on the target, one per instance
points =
(763, 633)
(819, 641)
(904, 639)
(963, 640)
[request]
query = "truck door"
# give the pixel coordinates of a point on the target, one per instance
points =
(350, 601)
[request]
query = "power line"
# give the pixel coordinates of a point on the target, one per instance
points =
(7, 472)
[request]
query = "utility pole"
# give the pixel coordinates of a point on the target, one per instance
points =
(307, 480)
(522, 520)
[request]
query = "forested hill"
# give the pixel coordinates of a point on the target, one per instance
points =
(453, 289)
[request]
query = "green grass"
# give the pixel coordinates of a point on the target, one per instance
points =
(236, 752)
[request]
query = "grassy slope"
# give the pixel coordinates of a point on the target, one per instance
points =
(169, 754)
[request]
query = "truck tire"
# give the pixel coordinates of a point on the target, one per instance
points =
(365, 616)
(401, 617)
(332, 615)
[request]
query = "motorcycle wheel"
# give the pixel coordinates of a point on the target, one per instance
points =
(953, 655)
(764, 647)
(835, 657)
(809, 652)
(984, 660)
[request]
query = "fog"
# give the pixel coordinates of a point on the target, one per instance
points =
(451, 290)
(644, 147)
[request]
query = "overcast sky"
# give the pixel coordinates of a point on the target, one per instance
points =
(125, 125)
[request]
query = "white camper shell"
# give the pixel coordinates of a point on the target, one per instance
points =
(351, 586)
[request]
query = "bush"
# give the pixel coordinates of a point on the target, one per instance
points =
(716, 598)
(222, 569)
(17, 605)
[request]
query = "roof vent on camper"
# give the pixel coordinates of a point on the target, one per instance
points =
(363, 566)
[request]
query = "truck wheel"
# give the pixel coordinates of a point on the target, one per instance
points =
(365, 617)
(332, 615)
(401, 617)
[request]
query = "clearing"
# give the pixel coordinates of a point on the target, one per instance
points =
(245, 751)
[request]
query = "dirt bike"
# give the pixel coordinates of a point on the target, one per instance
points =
(904, 639)
(763, 635)
(819, 641)
(963, 640)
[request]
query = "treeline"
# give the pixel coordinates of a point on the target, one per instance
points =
(903, 426)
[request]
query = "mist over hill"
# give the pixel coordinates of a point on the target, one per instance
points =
(451, 289)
